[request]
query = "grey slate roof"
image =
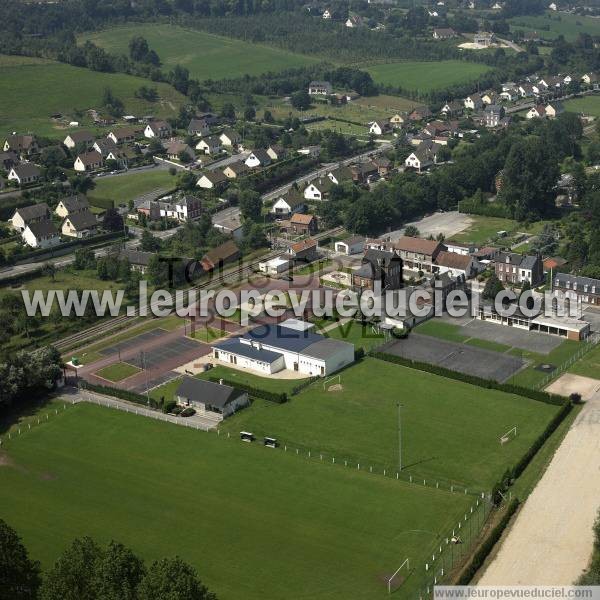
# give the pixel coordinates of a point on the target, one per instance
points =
(207, 392)
(324, 348)
(234, 345)
(83, 220)
(34, 211)
(561, 279)
(43, 228)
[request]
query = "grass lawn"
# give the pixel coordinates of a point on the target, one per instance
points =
(117, 371)
(23, 108)
(165, 490)
(205, 55)
(426, 76)
(123, 188)
(483, 229)
(587, 105)
(441, 329)
(450, 430)
(550, 25)
(208, 334)
(588, 365)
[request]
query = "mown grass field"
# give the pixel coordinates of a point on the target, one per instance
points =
(255, 522)
(123, 188)
(33, 89)
(550, 25)
(587, 105)
(118, 371)
(205, 55)
(426, 76)
(450, 429)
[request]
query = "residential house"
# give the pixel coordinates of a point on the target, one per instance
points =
(105, 146)
(526, 90)
(198, 127)
(418, 254)
(423, 157)
(88, 161)
(536, 112)
(23, 145)
(453, 109)
(473, 102)
(576, 288)
(304, 251)
(258, 158)
(138, 260)
(235, 170)
(219, 256)
(363, 171)
(310, 151)
(350, 246)
(72, 205)
(380, 127)
(176, 149)
(120, 156)
(378, 267)
(8, 159)
(24, 173)
(493, 115)
(397, 121)
(513, 268)
(211, 180)
(211, 400)
(320, 88)
(26, 215)
(484, 38)
(511, 95)
(383, 164)
(443, 33)
(318, 189)
(210, 145)
(489, 97)
(420, 114)
(354, 21)
(81, 138)
(80, 225)
(457, 264)
(123, 135)
(303, 224)
(158, 129)
(459, 247)
(230, 138)
(276, 152)
(591, 80)
(289, 203)
(184, 208)
(42, 234)
(553, 109)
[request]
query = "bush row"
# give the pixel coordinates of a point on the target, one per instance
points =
(104, 203)
(487, 210)
(304, 385)
(279, 398)
(509, 388)
(488, 544)
(119, 393)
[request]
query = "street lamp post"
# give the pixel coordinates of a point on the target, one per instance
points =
(399, 436)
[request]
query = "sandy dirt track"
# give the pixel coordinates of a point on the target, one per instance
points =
(551, 540)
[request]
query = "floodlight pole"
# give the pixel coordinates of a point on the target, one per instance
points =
(399, 436)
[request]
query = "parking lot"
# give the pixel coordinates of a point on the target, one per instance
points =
(470, 360)
(133, 342)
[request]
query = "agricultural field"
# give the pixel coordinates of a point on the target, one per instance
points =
(205, 55)
(120, 189)
(587, 105)
(23, 108)
(422, 76)
(450, 429)
(550, 25)
(221, 505)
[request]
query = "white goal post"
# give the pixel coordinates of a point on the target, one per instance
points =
(389, 583)
(506, 437)
(338, 377)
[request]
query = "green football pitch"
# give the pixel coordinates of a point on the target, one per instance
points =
(256, 523)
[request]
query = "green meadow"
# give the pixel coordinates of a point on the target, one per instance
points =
(205, 55)
(550, 25)
(426, 76)
(33, 89)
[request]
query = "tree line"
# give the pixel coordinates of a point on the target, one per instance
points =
(87, 570)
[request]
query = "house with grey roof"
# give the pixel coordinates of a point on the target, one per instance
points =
(208, 397)
(25, 215)
(42, 234)
(24, 173)
(513, 268)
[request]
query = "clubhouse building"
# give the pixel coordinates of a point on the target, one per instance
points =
(291, 345)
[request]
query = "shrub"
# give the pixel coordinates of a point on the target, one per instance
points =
(187, 412)
(279, 398)
(169, 406)
(119, 393)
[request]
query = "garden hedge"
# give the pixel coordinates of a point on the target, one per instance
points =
(279, 398)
